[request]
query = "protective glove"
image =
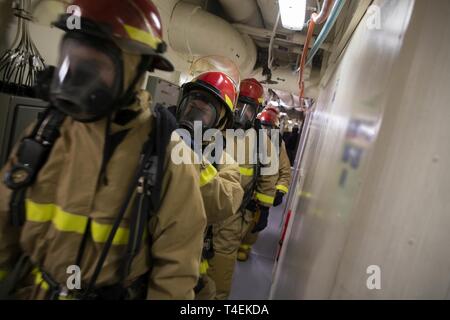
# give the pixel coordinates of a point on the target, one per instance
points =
(261, 224)
(278, 198)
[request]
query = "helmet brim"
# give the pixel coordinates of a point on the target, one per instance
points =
(134, 47)
(162, 63)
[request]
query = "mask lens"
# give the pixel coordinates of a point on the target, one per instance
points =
(86, 82)
(198, 106)
(246, 114)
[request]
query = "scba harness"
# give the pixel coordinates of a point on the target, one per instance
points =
(33, 153)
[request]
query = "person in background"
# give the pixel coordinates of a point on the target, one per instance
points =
(292, 144)
(208, 99)
(269, 119)
(258, 197)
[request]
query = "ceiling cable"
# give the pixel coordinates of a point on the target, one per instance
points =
(272, 39)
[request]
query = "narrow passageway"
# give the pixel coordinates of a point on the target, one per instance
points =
(252, 279)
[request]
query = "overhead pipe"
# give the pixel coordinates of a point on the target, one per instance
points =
(315, 19)
(245, 12)
(296, 38)
(269, 10)
(302, 61)
(272, 38)
(334, 14)
(196, 32)
(324, 12)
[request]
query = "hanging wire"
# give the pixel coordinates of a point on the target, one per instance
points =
(20, 64)
(272, 39)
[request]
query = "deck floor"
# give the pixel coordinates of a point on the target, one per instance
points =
(252, 279)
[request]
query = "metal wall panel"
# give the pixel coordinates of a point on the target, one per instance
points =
(16, 114)
(163, 92)
(376, 185)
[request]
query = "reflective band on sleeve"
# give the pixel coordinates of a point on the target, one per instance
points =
(204, 266)
(248, 172)
(265, 198)
(69, 222)
(245, 247)
(207, 175)
(282, 188)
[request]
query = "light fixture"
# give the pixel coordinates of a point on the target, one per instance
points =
(293, 14)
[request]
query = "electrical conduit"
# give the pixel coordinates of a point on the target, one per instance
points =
(335, 11)
(315, 19)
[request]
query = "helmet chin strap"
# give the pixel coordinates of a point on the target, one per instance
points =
(129, 96)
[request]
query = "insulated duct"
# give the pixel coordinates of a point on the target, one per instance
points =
(269, 11)
(245, 12)
(196, 32)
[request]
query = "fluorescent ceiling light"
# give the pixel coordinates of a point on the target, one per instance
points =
(293, 14)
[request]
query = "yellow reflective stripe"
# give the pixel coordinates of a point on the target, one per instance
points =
(100, 233)
(62, 220)
(282, 188)
(68, 222)
(248, 172)
(207, 175)
(142, 36)
(65, 298)
(229, 102)
(261, 100)
(39, 212)
(3, 273)
(265, 198)
(204, 266)
(39, 281)
(245, 247)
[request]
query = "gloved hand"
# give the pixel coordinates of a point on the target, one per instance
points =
(252, 206)
(278, 198)
(261, 224)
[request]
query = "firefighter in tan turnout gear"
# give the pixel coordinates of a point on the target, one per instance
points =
(107, 198)
(259, 193)
(209, 100)
(269, 119)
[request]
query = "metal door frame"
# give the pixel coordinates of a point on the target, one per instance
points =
(291, 202)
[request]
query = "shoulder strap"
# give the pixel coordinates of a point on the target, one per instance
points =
(34, 149)
(280, 142)
(149, 189)
(166, 124)
(148, 199)
(250, 190)
(148, 184)
(32, 154)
